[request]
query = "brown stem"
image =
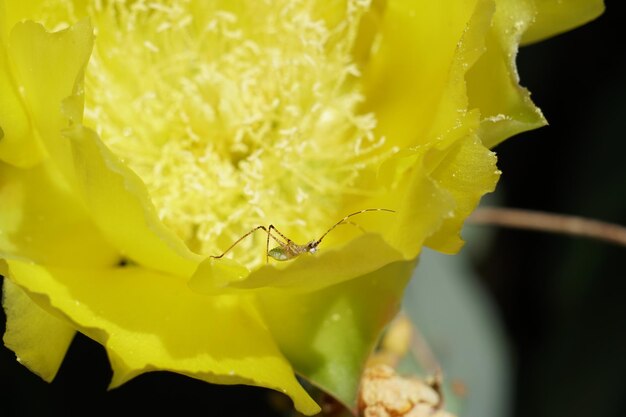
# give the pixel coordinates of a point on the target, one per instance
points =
(548, 222)
(423, 353)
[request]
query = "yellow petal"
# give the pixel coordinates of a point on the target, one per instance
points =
(213, 275)
(43, 221)
(468, 171)
(41, 217)
(429, 202)
(119, 204)
(18, 145)
(38, 339)
(53, 12)
(493, 83)
(420, 67)
(407, 80)
(558, 16)
(48, 68)
(424, 205)
(150, 321)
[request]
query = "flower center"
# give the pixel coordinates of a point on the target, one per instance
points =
(234, 114)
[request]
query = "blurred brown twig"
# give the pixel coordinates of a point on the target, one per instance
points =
(549, 222)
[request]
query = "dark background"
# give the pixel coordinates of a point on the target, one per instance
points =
(561, 298)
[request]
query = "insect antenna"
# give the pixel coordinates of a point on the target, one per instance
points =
(342, 221)
(351, 223)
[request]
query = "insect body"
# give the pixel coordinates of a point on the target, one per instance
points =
(288, 249)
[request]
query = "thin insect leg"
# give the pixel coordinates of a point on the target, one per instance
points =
(267, 248)
(239, 240)
(283, 236)
(344, 220)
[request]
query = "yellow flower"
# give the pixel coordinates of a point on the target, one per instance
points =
(130, 157)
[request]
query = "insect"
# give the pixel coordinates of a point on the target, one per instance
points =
(288, 249)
